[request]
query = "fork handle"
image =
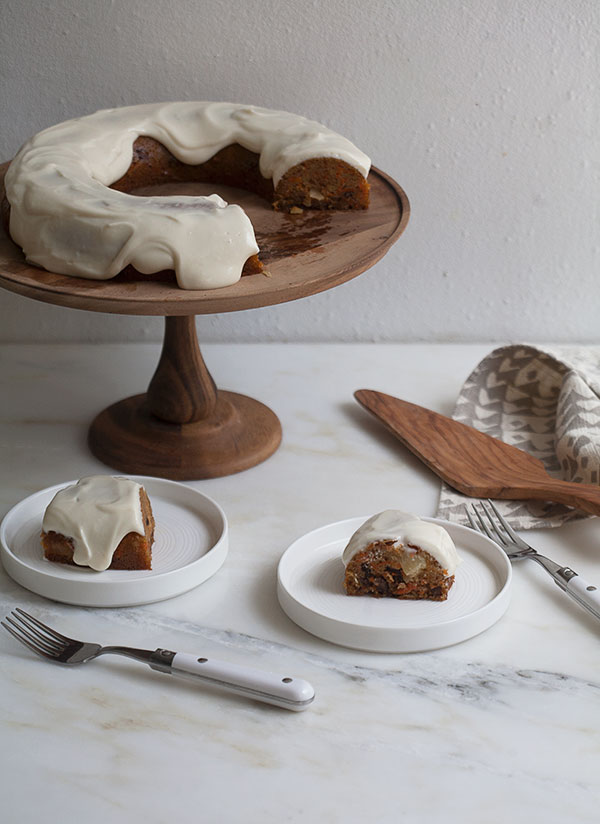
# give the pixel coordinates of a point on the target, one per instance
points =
(586, 594)
(268, 687)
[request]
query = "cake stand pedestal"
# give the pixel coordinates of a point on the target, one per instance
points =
(183, 427)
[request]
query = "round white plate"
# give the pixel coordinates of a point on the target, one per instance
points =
(311, 591)
(190, 544)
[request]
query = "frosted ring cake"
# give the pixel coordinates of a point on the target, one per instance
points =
(71, 213)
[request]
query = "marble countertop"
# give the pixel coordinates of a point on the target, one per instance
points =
(502, 727)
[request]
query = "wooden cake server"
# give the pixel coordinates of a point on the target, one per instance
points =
(475, 464)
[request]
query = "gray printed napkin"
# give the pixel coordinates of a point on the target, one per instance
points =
(545, 401)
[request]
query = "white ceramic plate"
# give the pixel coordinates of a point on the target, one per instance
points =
(190, 544)
(311, 591)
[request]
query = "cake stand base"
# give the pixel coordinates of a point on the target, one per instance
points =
(240, 433)
(183, 427)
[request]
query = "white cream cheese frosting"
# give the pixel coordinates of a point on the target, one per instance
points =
(68, 221)
(409, 532)
(96, 513)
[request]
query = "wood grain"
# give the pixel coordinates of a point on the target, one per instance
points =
(239, 433)
(470, 461)
(303, 255)
(182, 389)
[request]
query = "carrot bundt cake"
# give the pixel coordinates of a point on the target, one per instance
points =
(101, 522)
(71, 211)
(396, 555)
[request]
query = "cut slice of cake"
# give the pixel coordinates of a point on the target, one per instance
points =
(100, 522)
(397, 555)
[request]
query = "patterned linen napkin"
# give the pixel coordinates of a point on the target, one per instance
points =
(545, 401)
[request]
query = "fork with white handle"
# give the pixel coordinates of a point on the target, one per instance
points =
(497, 528)
(270, 688)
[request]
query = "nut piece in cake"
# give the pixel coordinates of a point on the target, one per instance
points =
(397, 555)
(100, 522)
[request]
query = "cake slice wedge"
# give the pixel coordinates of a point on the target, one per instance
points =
(100, 522)
(398, 555)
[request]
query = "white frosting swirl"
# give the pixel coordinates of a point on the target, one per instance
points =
(96, 513)
(66, 219)
(407, 531)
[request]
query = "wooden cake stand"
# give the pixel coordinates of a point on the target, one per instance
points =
(183, 427)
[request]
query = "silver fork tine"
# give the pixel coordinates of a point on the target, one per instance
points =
(21, 637)
(470, 517)
(483, 524)
(504, 522)
(57, 635)
(500, 536)
(31, 631)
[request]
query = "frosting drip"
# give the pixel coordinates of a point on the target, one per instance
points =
(68, 221)
(95, 513)
(409, 532)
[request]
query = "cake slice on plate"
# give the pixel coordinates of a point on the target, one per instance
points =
(100, 522)
(397, 555)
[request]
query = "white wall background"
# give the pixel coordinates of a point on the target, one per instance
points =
(485, 111)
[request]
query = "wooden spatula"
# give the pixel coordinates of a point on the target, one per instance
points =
(472, 462)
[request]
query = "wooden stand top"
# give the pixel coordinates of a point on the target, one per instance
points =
(303, 254)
